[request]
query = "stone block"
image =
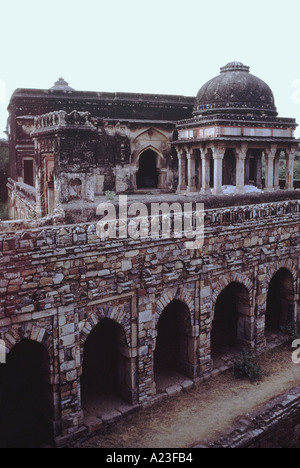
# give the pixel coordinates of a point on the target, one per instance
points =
(92, 423)
(44, 281)
(173, 389)
(187, 384)
(145, 316)
(110, 416)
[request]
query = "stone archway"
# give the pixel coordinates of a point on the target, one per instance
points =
(280, 309)
(147, 176)
(26, 406)
(232, 327)
(175, 351)
(107, 369)
(75, 189)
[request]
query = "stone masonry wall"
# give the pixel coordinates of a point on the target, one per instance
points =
(276, 424)
(58, 283)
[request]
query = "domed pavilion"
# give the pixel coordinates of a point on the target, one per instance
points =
(235, 125)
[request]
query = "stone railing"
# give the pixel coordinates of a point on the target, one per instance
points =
(239, 214)
(22, 189)
(43, 236)
(61, 119)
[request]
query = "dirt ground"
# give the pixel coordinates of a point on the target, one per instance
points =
(199, 415)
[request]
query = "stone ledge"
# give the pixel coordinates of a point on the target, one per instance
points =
(253, 429)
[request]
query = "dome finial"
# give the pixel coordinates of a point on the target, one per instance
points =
(61, 85)
(234, 66)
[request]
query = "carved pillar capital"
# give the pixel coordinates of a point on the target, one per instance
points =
(271, 151)
(241, 153)
(219, 151)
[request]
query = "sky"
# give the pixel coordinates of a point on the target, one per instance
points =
(153, 46)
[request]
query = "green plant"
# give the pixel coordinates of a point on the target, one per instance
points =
(109, 195)
(246, 367)
(292, 329)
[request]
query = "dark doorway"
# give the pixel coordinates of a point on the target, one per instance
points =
(104, 364)
(173, 342)
(231, 324)
(28, 172)
(212, 172)
(229, 168)
(280, 301)
(147, 176)
(252, 170)
(26, 403)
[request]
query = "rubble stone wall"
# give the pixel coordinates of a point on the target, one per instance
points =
(58, 283)
(273, 425)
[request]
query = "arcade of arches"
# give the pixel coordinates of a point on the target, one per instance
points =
(109, 366)
(107, 362)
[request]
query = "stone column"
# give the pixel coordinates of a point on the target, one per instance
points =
(247, 170)
(276, 171)
(69, 370)
(218, 156)
(181, 170)
(270, 154)
(162, 178)
(191, 187)
(290, 162)
(205, 158)
(241, 155)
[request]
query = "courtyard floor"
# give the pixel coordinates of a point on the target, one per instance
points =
(203, 412)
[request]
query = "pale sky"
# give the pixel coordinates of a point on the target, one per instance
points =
(153, 46)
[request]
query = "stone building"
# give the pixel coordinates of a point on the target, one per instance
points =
(234, 124)
(96, 328)
(67, 145)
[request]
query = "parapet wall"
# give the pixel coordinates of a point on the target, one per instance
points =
(273, 425)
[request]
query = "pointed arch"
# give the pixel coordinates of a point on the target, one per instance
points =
(153, 136)
(225, 280)
(29, 330)
(148, 165)
(116, 313)
(107, 365)
(183, 294)
(175, 347)
(280, 307)
(287, 263)
(232, 324)
(160, 157)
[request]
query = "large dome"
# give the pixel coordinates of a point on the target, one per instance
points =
(235, 90)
